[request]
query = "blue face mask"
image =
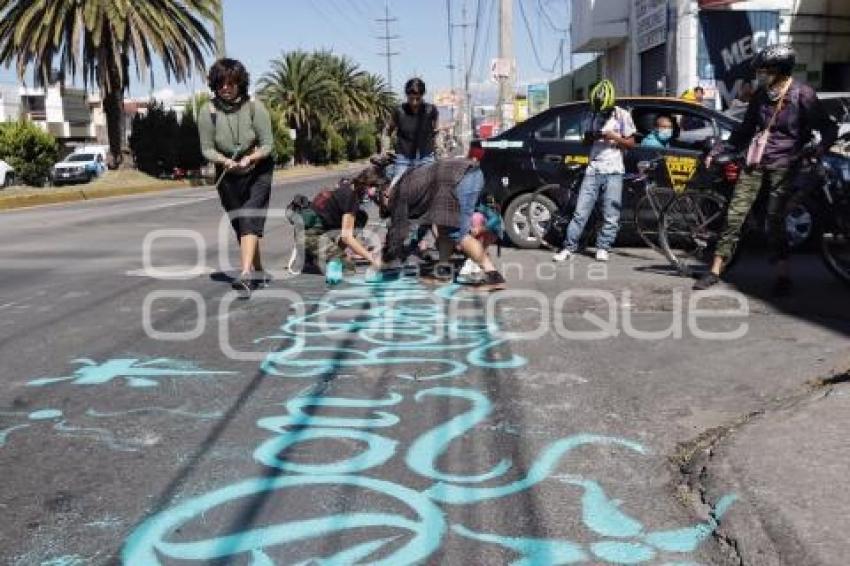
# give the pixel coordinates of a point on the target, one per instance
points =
(664, 134)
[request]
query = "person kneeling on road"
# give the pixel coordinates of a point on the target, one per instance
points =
(329, 224)
(611, 132)
(443, 194)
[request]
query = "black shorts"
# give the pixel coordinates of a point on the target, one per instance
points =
(246, 198)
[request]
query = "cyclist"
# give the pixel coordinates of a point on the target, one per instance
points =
(611, 131)
(783, 113)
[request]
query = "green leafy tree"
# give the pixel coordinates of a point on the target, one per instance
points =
(154, 139)
(324, 96)
(29, 150)
(284, 145)
(297, 87)
(189, 155)
(103, 39)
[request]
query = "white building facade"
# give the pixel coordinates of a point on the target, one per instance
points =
(668, 46)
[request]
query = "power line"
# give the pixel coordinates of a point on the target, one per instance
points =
(476, 37)
(324, 17)
(531, 39)
(487, 35)
(541, 9)
(388, 53)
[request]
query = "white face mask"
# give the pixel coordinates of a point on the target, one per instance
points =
(665, 134)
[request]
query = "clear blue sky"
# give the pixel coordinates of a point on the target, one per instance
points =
(259, 30)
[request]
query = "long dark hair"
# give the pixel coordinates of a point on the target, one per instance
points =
(229, 70)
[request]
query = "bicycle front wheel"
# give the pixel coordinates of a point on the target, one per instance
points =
(545, 221)
(690, 227)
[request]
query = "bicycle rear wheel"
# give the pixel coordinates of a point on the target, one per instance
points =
(835, 246)
(690, 227)
(647, 218)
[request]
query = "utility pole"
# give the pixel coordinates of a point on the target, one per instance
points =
(220, 46)
(388, 53)
(451, 65)
(506, 54)
(465, 119)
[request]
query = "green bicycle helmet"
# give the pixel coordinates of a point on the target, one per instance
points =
(603, 96)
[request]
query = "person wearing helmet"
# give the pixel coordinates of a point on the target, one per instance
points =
(610, 131)
(779, 122)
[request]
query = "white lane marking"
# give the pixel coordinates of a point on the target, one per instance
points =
(173, 272)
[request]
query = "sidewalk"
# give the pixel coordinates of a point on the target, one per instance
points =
(131, 182)
(790, 468)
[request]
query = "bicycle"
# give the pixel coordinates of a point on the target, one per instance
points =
(551, 207)
(691, 226)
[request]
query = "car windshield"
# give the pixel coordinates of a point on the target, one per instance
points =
(80, 157)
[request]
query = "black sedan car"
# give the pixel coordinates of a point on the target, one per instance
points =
(539, 152)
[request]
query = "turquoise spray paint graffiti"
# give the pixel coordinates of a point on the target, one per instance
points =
(137, 373)
(600, 514)
(151, 538)
(405, 327)
(424, 452)
(403, 333)
(34, 417)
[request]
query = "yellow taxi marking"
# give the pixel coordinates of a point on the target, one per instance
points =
(681, 169)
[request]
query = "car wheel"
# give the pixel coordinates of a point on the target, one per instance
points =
(517, 225)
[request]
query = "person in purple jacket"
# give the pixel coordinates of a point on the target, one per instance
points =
(791, 111)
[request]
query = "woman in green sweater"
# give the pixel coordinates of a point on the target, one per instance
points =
(236, 135)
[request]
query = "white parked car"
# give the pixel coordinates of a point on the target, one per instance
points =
(78, 167)
(7, 174)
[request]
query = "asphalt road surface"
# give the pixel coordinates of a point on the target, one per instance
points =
(148, 417)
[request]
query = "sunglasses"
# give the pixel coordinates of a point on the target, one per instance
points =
(413, 93)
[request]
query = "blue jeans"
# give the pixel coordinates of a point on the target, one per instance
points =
(467, 192)
(610, 189)
(403, 163)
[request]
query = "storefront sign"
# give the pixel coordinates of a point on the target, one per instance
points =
(651, 23)
(538, 98)
(729, 39)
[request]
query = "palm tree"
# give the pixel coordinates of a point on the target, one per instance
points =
(352, 102)
(381, 100)
(102, 38)
(300, 88)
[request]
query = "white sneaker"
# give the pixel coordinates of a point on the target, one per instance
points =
(469, 268)
(601, 255)
(562, 255)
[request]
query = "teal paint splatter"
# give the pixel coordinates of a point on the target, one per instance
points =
(623, 552)
(136, 373)
(534, 551)
(539, 471)
(149, 540)
(380, 450)
(427, 449)
(297, 417)
(45, 415)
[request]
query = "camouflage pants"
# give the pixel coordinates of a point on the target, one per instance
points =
(321, 246)
(779, 183)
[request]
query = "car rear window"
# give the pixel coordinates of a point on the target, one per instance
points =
(80, 157)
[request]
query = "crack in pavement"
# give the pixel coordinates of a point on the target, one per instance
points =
(693, 457)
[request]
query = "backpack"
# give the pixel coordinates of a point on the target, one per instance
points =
(301, 208)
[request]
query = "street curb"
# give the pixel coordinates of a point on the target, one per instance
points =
(13, 202)
(744, 537)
